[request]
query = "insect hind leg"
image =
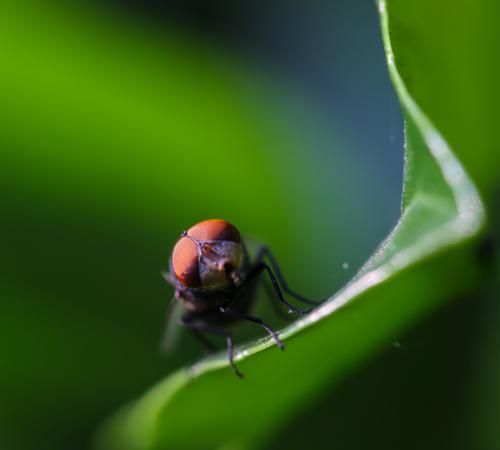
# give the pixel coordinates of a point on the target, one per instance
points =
(263, 252)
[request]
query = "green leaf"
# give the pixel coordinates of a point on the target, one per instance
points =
(205, 406)
(446, 52)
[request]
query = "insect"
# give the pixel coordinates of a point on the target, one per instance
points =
(213, 277)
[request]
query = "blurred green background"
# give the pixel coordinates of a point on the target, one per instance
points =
(123, 123)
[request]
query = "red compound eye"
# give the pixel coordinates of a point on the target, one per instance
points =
(214, 230)
(185, 263)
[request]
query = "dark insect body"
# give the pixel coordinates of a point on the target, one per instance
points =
(213, 276)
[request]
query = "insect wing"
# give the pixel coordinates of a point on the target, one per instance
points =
(172, 332)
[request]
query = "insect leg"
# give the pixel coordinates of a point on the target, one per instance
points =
(246, 255)
(230, 353)
(263, 252)
(270, 296)
(264, 325)
(188, 322)
(257, 270)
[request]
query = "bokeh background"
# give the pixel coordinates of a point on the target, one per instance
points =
(123, 123)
